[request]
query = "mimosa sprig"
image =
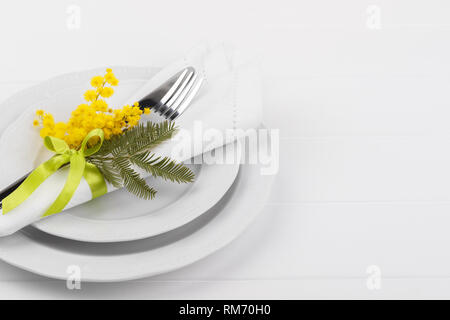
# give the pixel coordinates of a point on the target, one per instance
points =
(127, 143)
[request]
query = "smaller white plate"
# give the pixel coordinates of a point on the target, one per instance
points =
(116, 216)
(173, 206)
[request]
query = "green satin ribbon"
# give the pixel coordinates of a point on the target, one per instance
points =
(78, 168)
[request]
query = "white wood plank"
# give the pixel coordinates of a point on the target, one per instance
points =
(362, 169)
(307, 106)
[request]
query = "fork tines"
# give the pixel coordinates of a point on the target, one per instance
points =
(172, 98)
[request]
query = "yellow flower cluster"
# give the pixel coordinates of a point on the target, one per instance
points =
(92, 115)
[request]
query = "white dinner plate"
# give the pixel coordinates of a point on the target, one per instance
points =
(123, 216)
(52, 256)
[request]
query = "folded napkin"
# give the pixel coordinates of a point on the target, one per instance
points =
(228, 103)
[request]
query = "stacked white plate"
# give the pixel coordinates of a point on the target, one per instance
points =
(132, 238)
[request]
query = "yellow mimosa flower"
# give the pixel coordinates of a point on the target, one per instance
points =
(111, 79)
(106, 92)
(90, 95)
(97, 81)
(92, 115)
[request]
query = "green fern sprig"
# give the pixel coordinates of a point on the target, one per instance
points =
(131, 179)
(108, 171)
(141, 138)
(116, 158)
(164, 168)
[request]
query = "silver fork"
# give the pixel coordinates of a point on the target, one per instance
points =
(173, 97)
(170, 100)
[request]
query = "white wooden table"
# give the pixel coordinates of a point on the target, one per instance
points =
(361, 93)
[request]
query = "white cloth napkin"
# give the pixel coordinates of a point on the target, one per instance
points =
(228, 101)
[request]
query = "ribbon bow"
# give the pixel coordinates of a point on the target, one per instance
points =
(78, 168)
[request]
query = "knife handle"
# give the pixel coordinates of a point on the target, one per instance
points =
(11, 188)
